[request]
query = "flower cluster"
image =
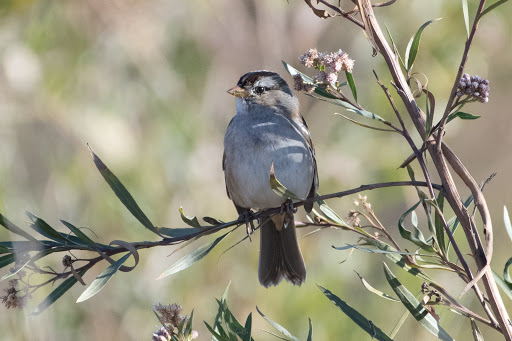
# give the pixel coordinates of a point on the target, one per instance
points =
(474, 87)
(328, 64)
(13, 299)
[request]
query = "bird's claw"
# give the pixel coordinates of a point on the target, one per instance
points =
(248, 217)
(288, 209)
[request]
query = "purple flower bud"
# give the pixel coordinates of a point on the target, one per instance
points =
(462, 84)
(459, 93)
(476, 94)
(485, 81)
(475, 85)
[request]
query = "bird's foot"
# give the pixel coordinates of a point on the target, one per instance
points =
(248, 216)
(288, 209)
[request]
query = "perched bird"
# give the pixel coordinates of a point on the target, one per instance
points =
(269, 129)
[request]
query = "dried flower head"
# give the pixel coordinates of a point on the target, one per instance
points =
(169, 314)
(13, 299)
(353, 218)
(67, 261)
(474, 87)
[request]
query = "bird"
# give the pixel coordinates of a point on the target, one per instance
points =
(269, 131)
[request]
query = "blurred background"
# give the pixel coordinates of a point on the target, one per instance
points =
(144, 84)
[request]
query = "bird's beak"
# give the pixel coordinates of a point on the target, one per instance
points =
(238, 92)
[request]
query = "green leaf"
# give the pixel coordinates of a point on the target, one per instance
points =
(82, 236)
(506, 275)
(246, 333)
(191, 221)
(466, 15)
(365, 125)
(416, 236)
(507, 289)
(310, 333)
(188, 328)
(3, 249)
(102, 279)
(6, 260)
(330, 214)
(122, 193)
(192, 257)
(352, 84)
(477, 334)
(46, 230)
(506, 220)
(178, 232)
(438, 223)
(398, 260)
(16, 230)
(394, 47)
(215, 334)
(462, 116)
(351, 108)
(415, 307)
(414, 44)
(277, 326)
(57, 293)
(278, 187)
(375, 291)
(399, 324)
(358, 318)
(491, 7)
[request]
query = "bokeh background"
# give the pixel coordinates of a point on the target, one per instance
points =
(144, 83)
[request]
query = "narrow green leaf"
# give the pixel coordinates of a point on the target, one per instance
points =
(394, 47)
(415, 307)
(438, 223)
(191, 221)
(83, 237)
(491, 7)
(399, 324)
(215, 333)
(365, 125)
(310, 333)
(506, 220)
(357, 247)
(416, 236)
(192, 257)
(122, 193)
(178, 232)
(6, 260)
(477, 334)
(102, 279)
(398, 260)
(466, 15)
(462, 116)
(358, 318)
(506, 275)
(414, 44)
(188, 328)
(277, 326)
(330, 214)
(507, 289)
(3, 249)
(351, 108)
(352, 84)
(278, 187)
(57, 293)
(246, 332)
(16, 230)
(375, 291)
(46, 230)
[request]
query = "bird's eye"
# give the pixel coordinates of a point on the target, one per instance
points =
(259, 90)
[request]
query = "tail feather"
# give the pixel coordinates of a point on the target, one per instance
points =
(280, 255)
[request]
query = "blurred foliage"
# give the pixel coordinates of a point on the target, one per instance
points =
(144, 83)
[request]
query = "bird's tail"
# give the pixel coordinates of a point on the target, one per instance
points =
(280, 255)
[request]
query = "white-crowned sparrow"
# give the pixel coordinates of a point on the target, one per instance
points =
(268, 128)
